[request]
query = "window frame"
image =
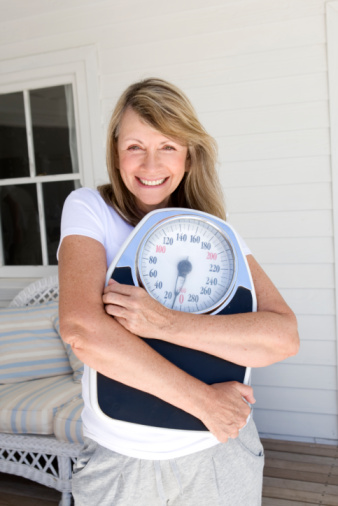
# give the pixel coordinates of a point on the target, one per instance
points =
(79, 68)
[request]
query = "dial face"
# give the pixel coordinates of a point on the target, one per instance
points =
(187, 264)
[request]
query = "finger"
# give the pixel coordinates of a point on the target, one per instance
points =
(247, 393)
(117, 299)
(116, 311)
(118, 288)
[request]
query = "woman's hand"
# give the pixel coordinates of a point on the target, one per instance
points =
(228, 409)
(135, 309)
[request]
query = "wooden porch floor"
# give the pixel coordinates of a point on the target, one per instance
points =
(296, 474)
(300, 474)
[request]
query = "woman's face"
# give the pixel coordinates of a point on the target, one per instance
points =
(151, 165)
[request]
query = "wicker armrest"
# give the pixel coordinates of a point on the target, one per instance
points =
(43, 290)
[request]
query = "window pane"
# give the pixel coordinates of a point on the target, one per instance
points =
(13, 139)
(20, 225)
(54, 130)
(54, 195)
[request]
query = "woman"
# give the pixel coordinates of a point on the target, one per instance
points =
(158, 156)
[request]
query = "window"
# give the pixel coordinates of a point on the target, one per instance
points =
(39, 168)
(50, 144)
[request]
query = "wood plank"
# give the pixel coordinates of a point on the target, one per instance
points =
(292, 250)
(231, 68)
(297, 399)
(273, 145)
(282, 502)
(295, 474)
(289, 375)
(279, 198)
(262, 37)
(301, 224)
(286, 456)
(307, 275)
(299, 496)
(301, 448)
(273, 118)
(312, 427)
(306, 488)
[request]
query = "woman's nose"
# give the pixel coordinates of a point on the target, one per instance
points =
(150, 160)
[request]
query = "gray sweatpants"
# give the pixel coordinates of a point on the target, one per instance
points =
(226, 474)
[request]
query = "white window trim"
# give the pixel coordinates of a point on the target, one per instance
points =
(79, 67)
(332, 50)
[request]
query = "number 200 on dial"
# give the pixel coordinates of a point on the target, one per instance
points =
(187, 264)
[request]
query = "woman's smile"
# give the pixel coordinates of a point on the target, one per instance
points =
(156, 182)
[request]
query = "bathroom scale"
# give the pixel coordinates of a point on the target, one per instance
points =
(188, 261)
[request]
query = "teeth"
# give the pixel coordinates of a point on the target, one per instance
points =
(152, 183)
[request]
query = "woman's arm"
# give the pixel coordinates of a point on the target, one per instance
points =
(248, 339)
(106, 346)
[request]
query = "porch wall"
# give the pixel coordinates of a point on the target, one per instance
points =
(256, 71)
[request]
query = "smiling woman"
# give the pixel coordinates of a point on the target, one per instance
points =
(163, 110)
(159, 155)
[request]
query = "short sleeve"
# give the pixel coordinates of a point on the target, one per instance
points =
(81, 215)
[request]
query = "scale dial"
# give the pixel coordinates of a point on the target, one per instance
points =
(187, 264)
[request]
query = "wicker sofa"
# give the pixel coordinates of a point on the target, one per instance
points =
(40, 391)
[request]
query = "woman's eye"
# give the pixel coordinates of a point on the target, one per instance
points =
(169, 148)
(133, 148)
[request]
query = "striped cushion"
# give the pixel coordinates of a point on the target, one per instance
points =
(30, 407)
(68, 423)
(30, 348)
(75, 362)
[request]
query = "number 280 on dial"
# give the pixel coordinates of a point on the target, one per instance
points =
(187, 263)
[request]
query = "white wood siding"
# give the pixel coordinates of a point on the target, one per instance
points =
(256, 71)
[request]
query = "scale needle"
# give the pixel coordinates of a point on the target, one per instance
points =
(183, 268)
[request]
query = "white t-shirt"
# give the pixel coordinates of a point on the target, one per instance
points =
(86, 213)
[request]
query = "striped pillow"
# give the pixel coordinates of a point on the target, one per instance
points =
(30, 348)
(75, 362)
(30, 407)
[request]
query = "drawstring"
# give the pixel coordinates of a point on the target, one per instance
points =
(159, 483)
(175, 471)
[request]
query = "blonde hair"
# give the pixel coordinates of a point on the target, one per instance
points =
(164, 107)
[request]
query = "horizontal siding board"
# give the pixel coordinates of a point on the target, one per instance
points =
(301, 276)
(163, 23)
(302, 425)
(10, 287)
(296, 399)
(287, 90)
(222, 44)
(291, 376)
(290, 224)
(306, 302)
(299, 197)
(295, 250)
(276, 172)
(276, 118)
(314, 327)
(319, 352)
(303, 60)
(262, 93)
(273, 145)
